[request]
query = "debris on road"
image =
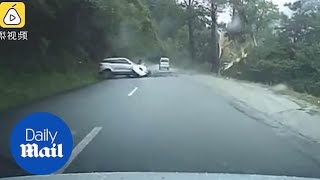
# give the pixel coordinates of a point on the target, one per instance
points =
(140, 70)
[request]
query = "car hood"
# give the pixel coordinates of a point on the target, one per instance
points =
(156, 176)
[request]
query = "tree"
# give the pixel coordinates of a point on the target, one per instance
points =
(215, 8)
(64, 32)
(252, 16)
(286, 51)
(190, 6)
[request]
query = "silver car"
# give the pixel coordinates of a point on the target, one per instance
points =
(164, 63)
(110, 67)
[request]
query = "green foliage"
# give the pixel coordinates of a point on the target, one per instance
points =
(289, 55)
(63, 32)
(168, 15)
(66, 40)
(20, 89)
(68, 36)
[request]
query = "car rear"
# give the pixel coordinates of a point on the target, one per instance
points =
(104, 64)
(164, 63)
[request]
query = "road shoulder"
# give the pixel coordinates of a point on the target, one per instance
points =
(262, 103)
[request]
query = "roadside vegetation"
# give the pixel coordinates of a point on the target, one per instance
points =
(67, 39)
(260, 44)
(19, 90)
(286, 51)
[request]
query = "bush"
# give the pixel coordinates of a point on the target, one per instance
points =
(296, 65)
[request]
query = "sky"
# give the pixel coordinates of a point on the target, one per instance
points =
(280, 3)
(225, 17)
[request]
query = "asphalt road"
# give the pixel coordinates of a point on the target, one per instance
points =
(162, 124)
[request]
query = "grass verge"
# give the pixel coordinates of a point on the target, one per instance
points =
(16, 90)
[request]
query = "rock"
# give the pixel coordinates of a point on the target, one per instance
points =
(279, 87)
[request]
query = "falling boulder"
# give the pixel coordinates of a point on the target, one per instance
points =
(140, 70)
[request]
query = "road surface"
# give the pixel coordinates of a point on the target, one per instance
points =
(162, 124)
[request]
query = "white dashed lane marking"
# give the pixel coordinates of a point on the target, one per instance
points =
(80, 147)
(133, 91)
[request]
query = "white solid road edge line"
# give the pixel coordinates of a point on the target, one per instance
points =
(80, 146)
(133, 91)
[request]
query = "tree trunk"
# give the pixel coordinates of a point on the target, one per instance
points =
(190, 28)
(233, 11)
(214, 45)
(191, 39)
(254, 39)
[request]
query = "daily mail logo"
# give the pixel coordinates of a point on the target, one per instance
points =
(32, 150)
(41, 143)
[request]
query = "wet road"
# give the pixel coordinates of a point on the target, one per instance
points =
(162, 124)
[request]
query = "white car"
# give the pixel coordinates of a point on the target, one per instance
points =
(110, 67)
(164, 63)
